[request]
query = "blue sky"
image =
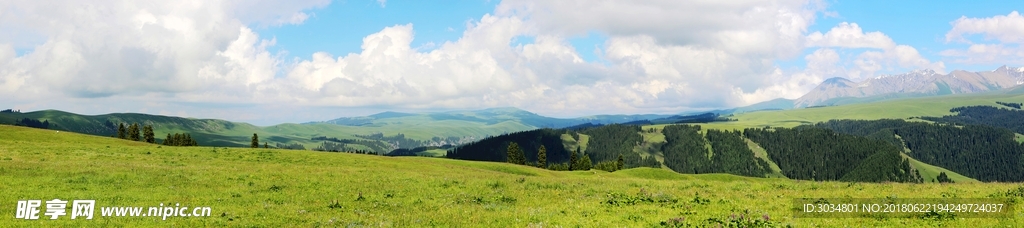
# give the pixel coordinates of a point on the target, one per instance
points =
(921, 24)
(309, 60)
(341, 26)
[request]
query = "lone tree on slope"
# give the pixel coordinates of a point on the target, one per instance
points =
(515, 155)
(133, 132)
(542, 157)
(255, 141)
(122, 133)
(147, 134)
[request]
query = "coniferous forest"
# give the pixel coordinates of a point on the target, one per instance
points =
(981, 152)
(608, 142)
(1012, 119)
(823, 154)
(684, 149)
(495, 148)
(685, 152)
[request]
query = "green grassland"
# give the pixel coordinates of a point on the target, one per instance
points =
(433, 153)
(651, 145)
(759, 152)
(895, 109)
(275, 188)
(929, 172)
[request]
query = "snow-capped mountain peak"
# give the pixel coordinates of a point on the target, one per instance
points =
(922, 82)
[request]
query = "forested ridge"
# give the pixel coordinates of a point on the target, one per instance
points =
(1012, 119)
(823, 154)
(808, 153)
(608, 142)
(982, 152)
(685, 152)
(495, 148)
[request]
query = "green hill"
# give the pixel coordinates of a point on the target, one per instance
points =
(273, 188)
(901, 108)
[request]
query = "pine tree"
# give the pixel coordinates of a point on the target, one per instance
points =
(621, 163)
(255, 141)
(585, 163)
(168, 140)
(122, 133)
(574, 160)
(542, 157)
(515, 155)
(265, 145)
(147, 133)
(133, 132)
(943, 178)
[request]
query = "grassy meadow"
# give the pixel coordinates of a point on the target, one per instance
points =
(894, 109)
(284, 188)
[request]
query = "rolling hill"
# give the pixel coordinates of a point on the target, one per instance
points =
(211, 132)
(247, 187)
(396, 129)
(915, 136)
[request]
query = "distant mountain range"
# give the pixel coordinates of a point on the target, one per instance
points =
(393, 129)
(440, 128)
(913, 84)
(487, 117)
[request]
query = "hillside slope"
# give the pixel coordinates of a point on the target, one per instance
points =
(212, 132)
(893, 109)
(273, 188)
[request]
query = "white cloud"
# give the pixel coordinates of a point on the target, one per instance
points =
(850, 35)
(881, 54)
(205, 52)
(1003, 36)
(1007, 54)
(110, 48)
(740, 27)
(382, 3)
(699, 47)
(1007, 29)
(823, 63)
(659, 56)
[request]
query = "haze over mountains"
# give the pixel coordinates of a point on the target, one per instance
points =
(912, 84)
(833, 91)
(488, 117)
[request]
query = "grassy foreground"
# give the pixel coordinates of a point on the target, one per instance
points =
(275, 188)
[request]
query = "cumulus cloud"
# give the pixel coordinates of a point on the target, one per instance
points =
(1007, 29)
(879, 52)
(698, 47)
(850, 35)
(95, 49)
(823, 63)
(659, 57)
(738, 26)
(205, 51)
(1003, 36)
